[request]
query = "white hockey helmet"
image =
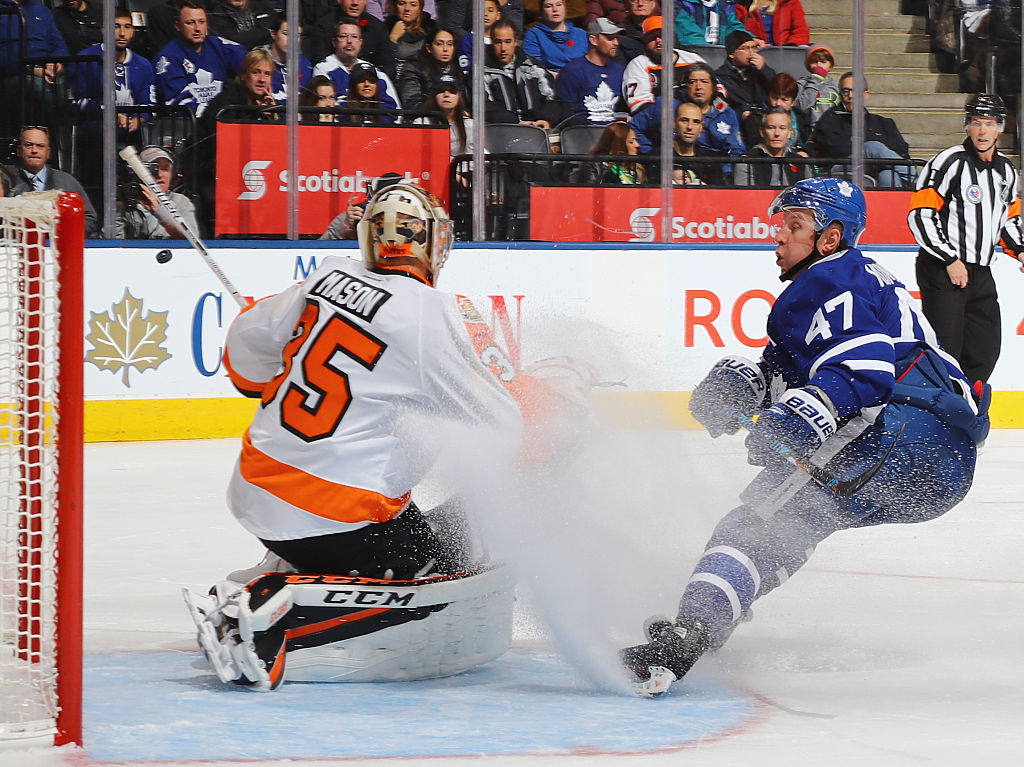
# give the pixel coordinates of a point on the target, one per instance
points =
(404, 221)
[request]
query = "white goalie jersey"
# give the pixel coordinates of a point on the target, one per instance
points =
(340, 364)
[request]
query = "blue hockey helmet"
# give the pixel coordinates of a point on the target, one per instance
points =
(830, 201)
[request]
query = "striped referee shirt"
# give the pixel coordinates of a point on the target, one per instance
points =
(964, 208)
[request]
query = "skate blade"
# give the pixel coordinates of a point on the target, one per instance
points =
(656, 685)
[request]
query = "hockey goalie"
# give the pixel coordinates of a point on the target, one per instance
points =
(358, 583)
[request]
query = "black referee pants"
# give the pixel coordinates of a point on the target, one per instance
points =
(966, 320)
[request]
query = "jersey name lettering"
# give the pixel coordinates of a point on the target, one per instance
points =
(353, 296)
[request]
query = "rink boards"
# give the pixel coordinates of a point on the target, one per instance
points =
(651, 318)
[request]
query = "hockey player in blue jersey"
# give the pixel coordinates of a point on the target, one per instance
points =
(852, 382)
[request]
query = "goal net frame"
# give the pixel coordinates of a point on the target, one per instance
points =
(42, 236)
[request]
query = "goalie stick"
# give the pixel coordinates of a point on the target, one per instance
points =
(131, 156)
(839, 488)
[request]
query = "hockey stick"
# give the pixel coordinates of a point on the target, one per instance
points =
(131, 156)
(839, 488)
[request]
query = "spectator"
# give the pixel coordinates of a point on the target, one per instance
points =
(193, 68)
(705, 22)
(721, 133)
(247, 22)
(592, 83)
(518, 89)
(445, 95)
(554, 42)
(364, 92)
(688, 169)
(161, 20)
(134, 84)
(278, 50)
(832, 138)
(1004, 30)
(777, 22)
(252, 87)
(343, 226)
(319, 92)
(745, 76)
(460, 19)
(974, 43)
(436, 58)
(776, 131)
(492, 12)
(80, 23)
(379, 8)
(782, 92)
(617, 140)
(33, 174)
(642, 78)
(817, 91)
(348, 42)
(145, 218)
(631, 41)
(965, 210)
(43, 39)
(6, 182)
(407, 26)
(375, 46)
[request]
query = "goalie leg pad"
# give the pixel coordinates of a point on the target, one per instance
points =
(346, 628)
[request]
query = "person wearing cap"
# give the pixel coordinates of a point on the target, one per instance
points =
(641, 82)
(777, 22)
(745, 76)
(32, 173)
(592, 84)
(348, 44)
(817, 91)
(445, 95)
(965, 210)
(631, 42)
(517, 88)
(144, 218)
(705, 22)
(554, 41)
(364, 92)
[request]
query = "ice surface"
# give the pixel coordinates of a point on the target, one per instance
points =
(895, 645)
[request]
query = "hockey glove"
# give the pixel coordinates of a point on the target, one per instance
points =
(798, 423)
(735, 386)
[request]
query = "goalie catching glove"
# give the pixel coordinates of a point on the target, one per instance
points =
(734, 387)
(799, 422)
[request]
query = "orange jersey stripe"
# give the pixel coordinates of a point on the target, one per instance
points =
(926, 198)
(318, 496)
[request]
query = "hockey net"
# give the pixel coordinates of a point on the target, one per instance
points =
(41, 252)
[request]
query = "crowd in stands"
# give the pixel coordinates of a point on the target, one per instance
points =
(548, 63)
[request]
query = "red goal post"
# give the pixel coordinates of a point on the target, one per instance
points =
(41, 361)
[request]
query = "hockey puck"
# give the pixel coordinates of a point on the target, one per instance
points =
(163, 256)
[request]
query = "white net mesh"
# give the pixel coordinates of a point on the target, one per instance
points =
(29, 357)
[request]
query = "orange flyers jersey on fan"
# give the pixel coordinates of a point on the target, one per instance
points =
(348, 366)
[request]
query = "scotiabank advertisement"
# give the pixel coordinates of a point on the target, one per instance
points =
(699, 215)
(336, 163)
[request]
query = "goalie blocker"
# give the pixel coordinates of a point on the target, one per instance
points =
(335, 628)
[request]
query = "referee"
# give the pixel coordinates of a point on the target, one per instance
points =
(965, 207)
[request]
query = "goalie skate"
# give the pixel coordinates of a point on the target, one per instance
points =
(209, 621)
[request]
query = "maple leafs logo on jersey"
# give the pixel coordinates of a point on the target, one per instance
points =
(125, 338)
(723, 127)
(845, 188)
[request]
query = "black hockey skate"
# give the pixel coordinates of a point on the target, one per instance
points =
(671, 652)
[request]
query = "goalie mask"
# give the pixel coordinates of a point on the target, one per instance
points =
(404, 221)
